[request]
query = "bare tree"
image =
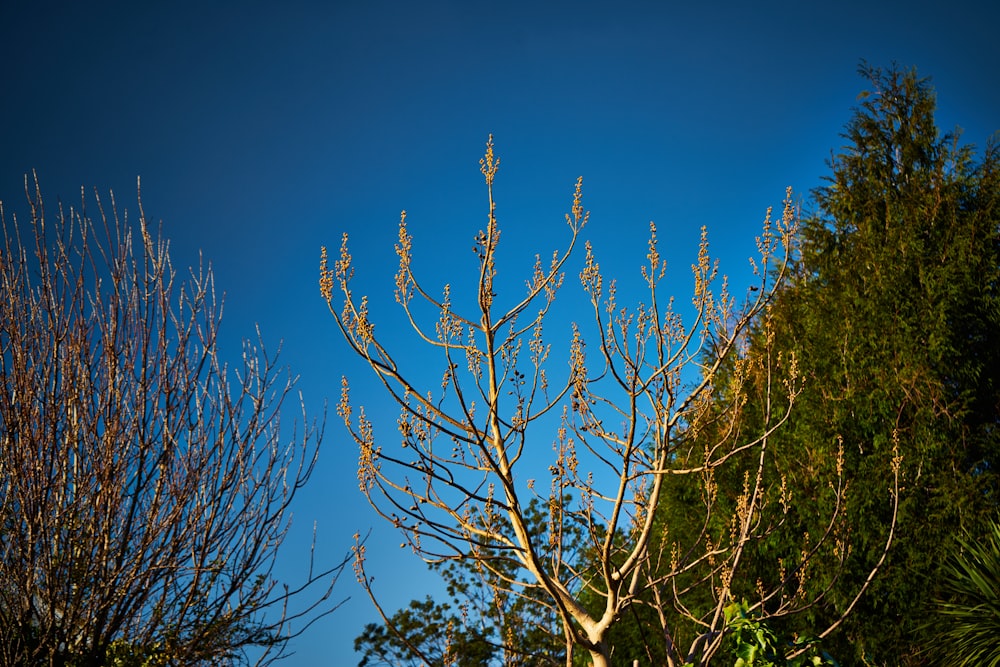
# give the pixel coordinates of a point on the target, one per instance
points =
(144, 484)
(637, 408)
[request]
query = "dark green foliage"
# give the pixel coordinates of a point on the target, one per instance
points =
(483, 622)
(433, 629)
(966, 628)
(894, 316)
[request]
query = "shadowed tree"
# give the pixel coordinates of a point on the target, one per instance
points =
(474, 626)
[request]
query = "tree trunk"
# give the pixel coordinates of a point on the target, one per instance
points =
(599, 659)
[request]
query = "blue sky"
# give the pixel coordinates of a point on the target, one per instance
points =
(262, 131)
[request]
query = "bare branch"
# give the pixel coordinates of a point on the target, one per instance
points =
(146, 484)
(627, 430)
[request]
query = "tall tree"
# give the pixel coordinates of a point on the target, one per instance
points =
(894, 314)
(145, 485)
(623, 420)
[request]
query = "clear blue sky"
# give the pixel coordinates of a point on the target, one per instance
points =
(262, 131)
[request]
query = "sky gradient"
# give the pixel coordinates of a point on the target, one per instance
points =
(262, 132)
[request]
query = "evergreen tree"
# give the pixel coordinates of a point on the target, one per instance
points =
(894, 317)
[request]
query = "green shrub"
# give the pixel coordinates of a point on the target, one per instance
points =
(967, 627)
(756, 645)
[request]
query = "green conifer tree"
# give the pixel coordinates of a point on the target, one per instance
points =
(894, 316)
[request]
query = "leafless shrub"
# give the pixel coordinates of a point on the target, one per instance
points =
(144, 484)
